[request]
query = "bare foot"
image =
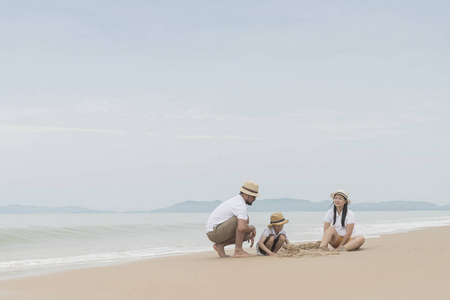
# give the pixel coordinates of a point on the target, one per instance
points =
(220, 250)
(241, 253)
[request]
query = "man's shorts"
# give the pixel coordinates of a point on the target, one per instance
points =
(224, 231)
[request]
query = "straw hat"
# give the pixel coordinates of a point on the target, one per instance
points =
(343, 194)
(277, 219)
(250, 188)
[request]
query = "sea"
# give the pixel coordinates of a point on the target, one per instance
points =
(33, 244)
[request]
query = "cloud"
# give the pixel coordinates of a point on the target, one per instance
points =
(18, 129)
(151, 134)
(210, 137)
(198, 113)
(368, 124)
(92, 105)
(89, 106)
(7, 114)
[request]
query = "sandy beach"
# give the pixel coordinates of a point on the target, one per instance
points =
(413, 265)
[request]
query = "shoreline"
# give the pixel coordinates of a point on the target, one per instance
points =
(59, 268)
(411, 265)
(27, 254)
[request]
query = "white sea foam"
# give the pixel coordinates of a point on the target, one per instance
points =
(90, 258)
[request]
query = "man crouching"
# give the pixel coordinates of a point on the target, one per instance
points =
(229, 223)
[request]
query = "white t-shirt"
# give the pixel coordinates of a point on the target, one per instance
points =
(349, 219)
(268, 231)
(233, 207)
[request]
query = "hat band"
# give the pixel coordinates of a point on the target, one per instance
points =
(247, 189)
(342, 194)
(279, 221)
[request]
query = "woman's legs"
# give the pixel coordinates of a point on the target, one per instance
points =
(354, 243)
(330, 236)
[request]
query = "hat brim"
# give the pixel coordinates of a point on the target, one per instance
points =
(248, 192)
(333, 194)
(281, 223)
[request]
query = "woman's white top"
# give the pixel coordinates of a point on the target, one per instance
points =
(349, 219)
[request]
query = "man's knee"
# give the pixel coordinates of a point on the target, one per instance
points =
(282, 238)
(225, 231)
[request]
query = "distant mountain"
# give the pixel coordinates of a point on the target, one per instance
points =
(19, 209)
(398, 205)
(189, 206)
(287, 204)
(266, 205)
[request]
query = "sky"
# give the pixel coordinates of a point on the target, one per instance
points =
(138, 105)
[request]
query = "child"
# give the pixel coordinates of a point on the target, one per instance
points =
(339, 224)
(274, 236)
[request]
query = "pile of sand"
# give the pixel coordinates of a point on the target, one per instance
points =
(304, 249)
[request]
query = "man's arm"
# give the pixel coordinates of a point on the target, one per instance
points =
(243, 226)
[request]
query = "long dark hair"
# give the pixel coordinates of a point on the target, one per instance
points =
(344, 214)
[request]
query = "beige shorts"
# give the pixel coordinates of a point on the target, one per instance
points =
(224, 232)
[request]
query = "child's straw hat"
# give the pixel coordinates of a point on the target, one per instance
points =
(277, 219)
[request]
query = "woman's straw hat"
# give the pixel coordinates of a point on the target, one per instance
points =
(277, 219)
(250, 188)
(343, 194)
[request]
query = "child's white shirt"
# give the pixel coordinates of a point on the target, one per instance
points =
(268, 231)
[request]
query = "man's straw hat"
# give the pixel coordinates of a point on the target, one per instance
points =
(343, 194)
(277, 219)
(250, 188)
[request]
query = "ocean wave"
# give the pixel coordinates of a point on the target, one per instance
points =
(94, 258)
(40, 234)
(402, 225)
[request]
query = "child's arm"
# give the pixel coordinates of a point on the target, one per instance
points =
(285, 235)
(267, 250)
